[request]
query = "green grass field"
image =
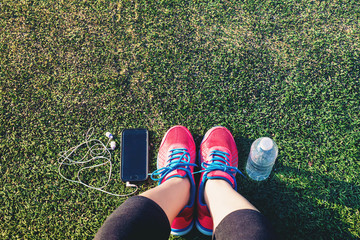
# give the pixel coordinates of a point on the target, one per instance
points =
(284, 69)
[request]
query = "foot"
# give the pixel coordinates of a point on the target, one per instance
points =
(219, 160)
(176, 159)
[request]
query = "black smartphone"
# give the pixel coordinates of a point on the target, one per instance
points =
(134, 155)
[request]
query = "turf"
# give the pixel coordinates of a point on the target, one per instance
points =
(283, 69)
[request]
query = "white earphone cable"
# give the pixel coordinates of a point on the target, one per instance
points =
(96, 150)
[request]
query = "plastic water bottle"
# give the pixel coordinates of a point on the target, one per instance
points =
(261, 158)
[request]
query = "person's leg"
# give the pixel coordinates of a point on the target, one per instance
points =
(234, 217)
(148, 214)
(171, 196)
(176, 159)
(219, 161)
(222, 199)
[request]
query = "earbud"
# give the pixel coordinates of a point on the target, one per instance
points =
(109, 135)
(112, 145)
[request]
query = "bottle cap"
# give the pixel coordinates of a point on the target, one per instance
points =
(266, 144)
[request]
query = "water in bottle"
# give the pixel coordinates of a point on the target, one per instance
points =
(261, 158)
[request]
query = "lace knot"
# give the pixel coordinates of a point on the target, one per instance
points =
(179, 158)
(219, 161)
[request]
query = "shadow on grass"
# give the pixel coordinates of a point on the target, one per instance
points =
(309, 206)
(304, 203)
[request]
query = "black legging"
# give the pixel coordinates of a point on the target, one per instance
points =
(141, 218)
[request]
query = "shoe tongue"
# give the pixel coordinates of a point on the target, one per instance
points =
(176, 172)
(217, 174)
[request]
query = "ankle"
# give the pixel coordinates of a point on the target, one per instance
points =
(172, 195)
(179, 182)
(213, 184)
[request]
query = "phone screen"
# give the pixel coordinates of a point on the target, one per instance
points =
(134, 155)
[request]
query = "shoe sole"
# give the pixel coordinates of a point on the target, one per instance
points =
(184, 231)
(203, 230)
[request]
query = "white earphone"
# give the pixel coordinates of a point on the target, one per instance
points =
(112, 143)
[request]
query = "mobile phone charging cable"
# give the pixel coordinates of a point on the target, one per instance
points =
(96, 150)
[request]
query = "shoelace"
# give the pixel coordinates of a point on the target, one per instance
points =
(179, 158)
(220, 161)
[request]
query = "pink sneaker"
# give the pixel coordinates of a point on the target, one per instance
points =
(219, 160)
(176, 158)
